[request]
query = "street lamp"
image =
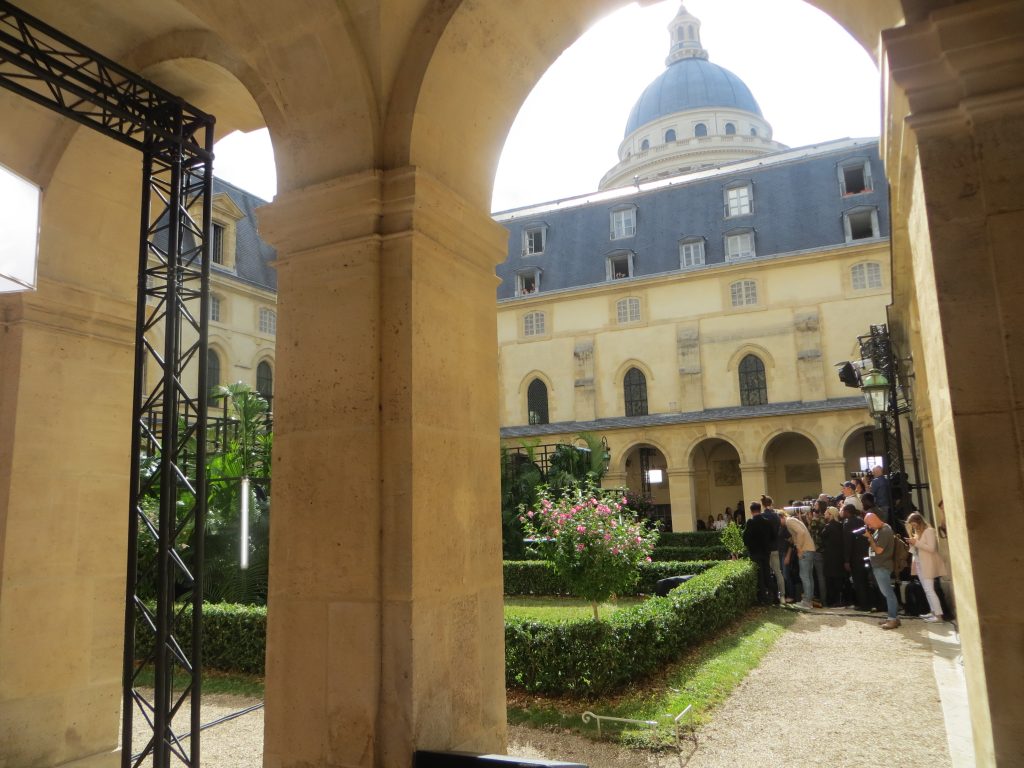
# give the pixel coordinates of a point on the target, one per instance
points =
(875, 386)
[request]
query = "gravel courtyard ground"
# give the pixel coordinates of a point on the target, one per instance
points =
(836, 690)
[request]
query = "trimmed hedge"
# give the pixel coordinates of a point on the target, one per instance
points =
(234, 636)
(538, 577)
(691, 539)
(592, 657)
(690, 553)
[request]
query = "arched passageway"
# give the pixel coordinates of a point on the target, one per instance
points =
(862, 450)
(791, 467)
(647, 477)
(717, 480)
(388, 125)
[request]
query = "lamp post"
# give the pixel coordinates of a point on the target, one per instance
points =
(876, 387)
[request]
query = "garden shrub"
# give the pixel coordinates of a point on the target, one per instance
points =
(234, 636)
(691, 539)
(538, 577)
(690, 553)
(589, 658)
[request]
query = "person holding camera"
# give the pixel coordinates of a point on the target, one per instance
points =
(881, 549)
(855, 551)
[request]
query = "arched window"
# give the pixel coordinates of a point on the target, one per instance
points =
(537, 402)
(645, 145)
(634, 387)
(265, 380)
(730, 129)
(753, 384)
(753, 131)
(670, 135)
(700, 130)
(866, 275)
(212, 369)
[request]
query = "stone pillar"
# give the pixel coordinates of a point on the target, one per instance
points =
(691, 386)
(833, 474)
(684, 510)
(385, 630)
(810, 370)
(584, 392)
(957, 161)
(755, 482)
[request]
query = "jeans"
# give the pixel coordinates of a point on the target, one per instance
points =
(807, 576)
(780, 583)
(883, 578)
(819, 575)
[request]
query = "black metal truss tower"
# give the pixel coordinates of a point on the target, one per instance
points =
(167, 498)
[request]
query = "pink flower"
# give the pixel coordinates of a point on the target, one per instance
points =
(581, 529)
(647, 559)
(579, 547)
(557, 532)
(530, 514)
(607, 537)
(638, 540)
(615, 550)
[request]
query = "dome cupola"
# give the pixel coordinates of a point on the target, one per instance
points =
(694, 115)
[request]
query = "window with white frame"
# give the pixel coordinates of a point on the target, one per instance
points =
(860, 224)
(739, 245)
(623, 223)
(866, 275)
(738, 200)
(855, 176)
(533, 324)
(527, 282)
(743, 293)
(268, 321)
(619, 266)
(627, 310)
(215, 307)
(534, 240)
(691, 252)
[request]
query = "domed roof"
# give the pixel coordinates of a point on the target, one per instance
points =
(691, 83)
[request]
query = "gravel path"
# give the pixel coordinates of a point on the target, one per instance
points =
(834, 691)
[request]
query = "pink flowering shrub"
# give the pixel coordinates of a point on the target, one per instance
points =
(594, 540)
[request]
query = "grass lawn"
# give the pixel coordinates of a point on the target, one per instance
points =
(704, 678)
(561, 608)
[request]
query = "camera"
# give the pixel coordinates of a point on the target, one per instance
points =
(859, 531)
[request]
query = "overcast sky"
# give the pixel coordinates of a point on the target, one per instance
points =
(813, 81)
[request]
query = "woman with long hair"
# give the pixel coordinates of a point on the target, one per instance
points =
(928, 563)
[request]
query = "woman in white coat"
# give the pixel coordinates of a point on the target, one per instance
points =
(928, 563)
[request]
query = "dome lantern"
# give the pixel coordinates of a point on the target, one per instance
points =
(684, 32)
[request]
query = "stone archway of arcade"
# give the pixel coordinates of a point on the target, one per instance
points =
(387, 121)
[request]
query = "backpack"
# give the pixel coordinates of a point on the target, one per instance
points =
(900, 555)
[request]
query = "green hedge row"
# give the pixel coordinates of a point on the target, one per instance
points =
(234, 636)
(691, 539)
(690, 553)
(592, 657)
(538, 577)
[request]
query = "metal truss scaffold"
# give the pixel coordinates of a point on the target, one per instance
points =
(167, 495)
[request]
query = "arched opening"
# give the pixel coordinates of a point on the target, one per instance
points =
(647, 478)
(753, 381)
(670, 135)
(634, 390)
(863, 450)
(730, 129)
(537, 402)
(717, 481)
(265, 380)
(791, 467)
(700, 130)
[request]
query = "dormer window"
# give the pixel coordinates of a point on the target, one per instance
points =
(534, 240)
(739, 245)
(527, 282)
(619, 266)
(855, 177)
(739, 200)
(691, 252)
(860, 223)
(217, 243)
(623, 222)
(223, 229)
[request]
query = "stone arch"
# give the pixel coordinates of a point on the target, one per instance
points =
(643, 453)
(735, 443)
(717, 480)
(792, 470)
(750, 349)
(619, 462)
(535, 374)
(849, 433)
(766, 442)
(632, 362)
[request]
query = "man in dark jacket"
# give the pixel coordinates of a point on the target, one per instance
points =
(778, 548)
(759, 539)
(855, 550)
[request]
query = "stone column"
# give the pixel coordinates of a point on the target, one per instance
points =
(957, 165)
(755, 482)
(833, 474)
(385, 612)
(684, 510)
(613, 480)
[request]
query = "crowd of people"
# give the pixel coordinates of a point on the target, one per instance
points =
(850, 550)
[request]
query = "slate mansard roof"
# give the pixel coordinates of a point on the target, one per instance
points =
(797, 206)
(252, 255)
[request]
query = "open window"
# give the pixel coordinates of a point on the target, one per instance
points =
(535, 237)
(861, 224)
(855, 176)
(619, 265)
(527, 282)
